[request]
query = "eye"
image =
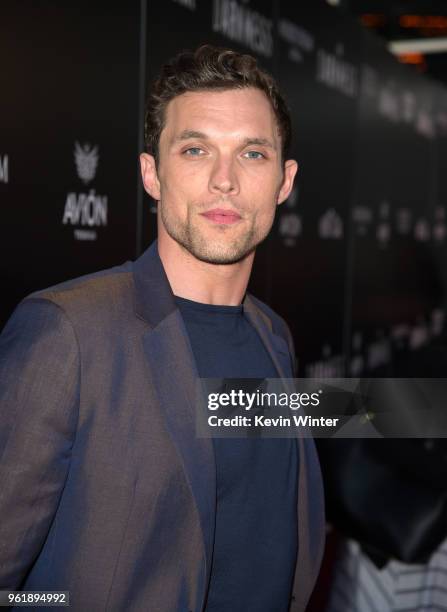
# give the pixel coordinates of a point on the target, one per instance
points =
(254, 155)
(193, 151)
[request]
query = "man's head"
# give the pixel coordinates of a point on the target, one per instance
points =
(217, 133)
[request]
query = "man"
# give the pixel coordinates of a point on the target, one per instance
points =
(106, 491)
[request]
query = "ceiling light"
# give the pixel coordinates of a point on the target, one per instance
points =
(419, 45)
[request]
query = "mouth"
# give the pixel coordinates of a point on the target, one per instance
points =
(222, 216)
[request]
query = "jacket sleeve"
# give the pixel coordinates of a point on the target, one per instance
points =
(39, 397)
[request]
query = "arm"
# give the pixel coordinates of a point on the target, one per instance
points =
(39, 397)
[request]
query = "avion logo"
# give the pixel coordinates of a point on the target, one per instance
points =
(85, 210)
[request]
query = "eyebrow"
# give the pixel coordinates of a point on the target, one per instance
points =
(188, 134)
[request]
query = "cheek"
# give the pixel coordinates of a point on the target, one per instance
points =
(263, 187)
(265, 212)
(182, 184)
(264, 201)
(173, 190)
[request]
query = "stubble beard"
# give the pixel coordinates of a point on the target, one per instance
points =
(223, 251)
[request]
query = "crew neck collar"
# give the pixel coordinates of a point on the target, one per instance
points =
(215, 308)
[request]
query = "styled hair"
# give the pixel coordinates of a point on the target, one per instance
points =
(210, 68)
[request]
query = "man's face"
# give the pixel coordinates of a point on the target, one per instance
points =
(220, 175)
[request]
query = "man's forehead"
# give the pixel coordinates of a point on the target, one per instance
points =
(198, 114)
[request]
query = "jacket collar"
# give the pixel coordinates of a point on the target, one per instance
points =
(154, 300)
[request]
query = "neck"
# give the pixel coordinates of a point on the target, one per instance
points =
(200, 281)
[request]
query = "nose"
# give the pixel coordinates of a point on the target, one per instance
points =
(223, 177)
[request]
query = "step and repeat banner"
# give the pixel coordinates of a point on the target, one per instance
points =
(355, 258)
(68, 141)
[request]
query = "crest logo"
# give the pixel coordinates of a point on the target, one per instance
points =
(330, 225)
(86, 211)
(86, 159)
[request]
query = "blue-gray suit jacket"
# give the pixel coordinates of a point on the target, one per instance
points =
(105, 490)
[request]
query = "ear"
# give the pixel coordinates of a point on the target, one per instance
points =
(290, 169)
(150, 176)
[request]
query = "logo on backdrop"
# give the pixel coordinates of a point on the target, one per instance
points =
(400, 221)
(330, 225)
(290, 224)
(329, 365)
(336, 72)
(243, 25)
(85, 211)
(383, 229)
(86, 159)
(298, 40)
(422, 231)
(362, 217)
(404, 218)
(4, 169)
(400, 105)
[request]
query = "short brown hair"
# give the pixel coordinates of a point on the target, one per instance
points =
(210, 68)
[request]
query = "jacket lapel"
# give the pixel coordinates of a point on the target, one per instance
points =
(276, 345)
(171, 361)
(310, 508)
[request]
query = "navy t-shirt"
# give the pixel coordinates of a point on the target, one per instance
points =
(255, 543)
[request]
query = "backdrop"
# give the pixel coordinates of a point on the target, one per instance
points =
(355, 259)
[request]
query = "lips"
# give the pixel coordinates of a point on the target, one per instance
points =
(222, 216)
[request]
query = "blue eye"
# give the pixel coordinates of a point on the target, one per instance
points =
(194, 151)
(254, 155)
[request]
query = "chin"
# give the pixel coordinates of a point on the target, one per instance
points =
(221, 256)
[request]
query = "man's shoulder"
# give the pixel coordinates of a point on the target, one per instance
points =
(99, 290)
